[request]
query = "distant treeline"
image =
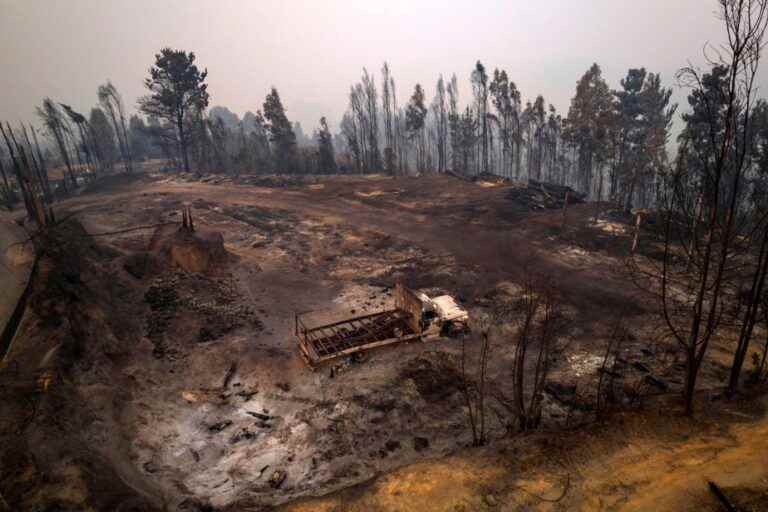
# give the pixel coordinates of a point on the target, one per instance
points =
(610, 146)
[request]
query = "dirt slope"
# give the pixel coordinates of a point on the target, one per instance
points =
(650, 463)
(15, 263)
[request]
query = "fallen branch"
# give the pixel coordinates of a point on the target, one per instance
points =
(230, 374)
(720, 496)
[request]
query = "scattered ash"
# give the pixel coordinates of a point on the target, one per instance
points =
(538, 195)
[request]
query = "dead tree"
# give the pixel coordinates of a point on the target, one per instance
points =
(534, 321)
(387, 89)
(538, 325)
(43, 168)
(39, 163)
(701, 248)
(615, 340)
(474, 387)
(750, 316)
(29, 187)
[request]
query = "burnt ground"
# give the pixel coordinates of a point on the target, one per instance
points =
(140, 384)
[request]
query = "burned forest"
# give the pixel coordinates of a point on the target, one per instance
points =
(448, 294)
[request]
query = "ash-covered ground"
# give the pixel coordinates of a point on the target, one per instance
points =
(134, 384)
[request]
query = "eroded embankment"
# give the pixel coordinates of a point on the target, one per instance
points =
(63, 445)
(17, 266)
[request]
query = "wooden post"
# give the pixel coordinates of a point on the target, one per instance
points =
(637, 232)
(565, 208)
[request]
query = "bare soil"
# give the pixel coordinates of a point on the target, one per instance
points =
(136, 385)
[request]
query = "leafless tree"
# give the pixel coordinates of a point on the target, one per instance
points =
(440, 117)
(43, 168)
(38, 165)
(28, 182)
(538, 320)
(615, 340)
(703, 199)
(474, 384)
(387, 92)
(533, 322)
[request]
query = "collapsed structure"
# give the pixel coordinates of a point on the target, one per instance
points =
(414, 316)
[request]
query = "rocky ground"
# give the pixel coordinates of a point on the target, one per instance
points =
(157, 370)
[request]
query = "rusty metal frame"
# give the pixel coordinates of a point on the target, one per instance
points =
(326, 342)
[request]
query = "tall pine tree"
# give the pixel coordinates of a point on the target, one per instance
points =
(281, 134)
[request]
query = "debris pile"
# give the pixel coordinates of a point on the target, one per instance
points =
(538, 195)
(212, 179)
(272, 181)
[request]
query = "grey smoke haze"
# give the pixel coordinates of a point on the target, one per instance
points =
(313, 50)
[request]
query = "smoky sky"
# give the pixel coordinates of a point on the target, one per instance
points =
(313, 50)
